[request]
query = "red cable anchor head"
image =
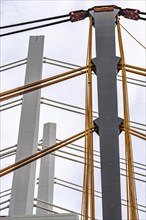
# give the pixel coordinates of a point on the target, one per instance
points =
(78, 15)
(130, 13)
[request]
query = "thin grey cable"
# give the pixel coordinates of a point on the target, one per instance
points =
(8, 68)
(15, 62)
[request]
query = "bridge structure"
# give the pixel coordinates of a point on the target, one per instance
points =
(107, 128)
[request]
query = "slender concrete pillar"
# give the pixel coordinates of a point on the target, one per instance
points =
(108, 122)
(22, 195)
(46, 177)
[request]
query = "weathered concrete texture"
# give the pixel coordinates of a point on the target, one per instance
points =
(46, 177)
(22, 195)
(44, 217)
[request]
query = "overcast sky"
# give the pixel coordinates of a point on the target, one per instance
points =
(68, 42)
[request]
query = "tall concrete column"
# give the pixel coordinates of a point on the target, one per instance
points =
(108, 122)
(22, 195)
(46, 177)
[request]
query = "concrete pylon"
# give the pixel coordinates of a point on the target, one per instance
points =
(22, 195)
(108, 121)
(46, 177)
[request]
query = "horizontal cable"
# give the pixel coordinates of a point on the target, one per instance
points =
(98, 155)
(137, 84)
(1, 203)
(59, 65)
(83, 109)
(127, 65)
(78, 161)
(43, 153)
(33, 28)
(71, 160)
(8, 68)
(8, 148)
(64, 66)
(99, 192)
(82, 157)
(47, 203)
(97, 167)
(3, 208)
(16, 105)
(4, 191)
(73, 148)
(82, 113)
(41, 83)
(133, 79)
(80, 190)
(7, 153)
(61, 62)
(9, 103)
(138, 123)
(34, 21)
(95, 151)
(138, 128)
(73, 111)
(68, 105)
(8, 194)
(46, 209)
(73, 184)
(10, 64)
(59, 207)
(63, 108)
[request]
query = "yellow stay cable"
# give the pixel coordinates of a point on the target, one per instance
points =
(40, 84)
(133, 71)
(132, 213)
(88, 204)
(136, 67)
(43, 153)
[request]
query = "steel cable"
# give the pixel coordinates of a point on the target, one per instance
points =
(33, 28)
(34, 21)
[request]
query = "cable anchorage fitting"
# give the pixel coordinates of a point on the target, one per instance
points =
(130, 13)
(78, 15)
(127, 12)
(82, 14)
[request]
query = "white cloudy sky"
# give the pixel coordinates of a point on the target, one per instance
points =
(68, 42)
